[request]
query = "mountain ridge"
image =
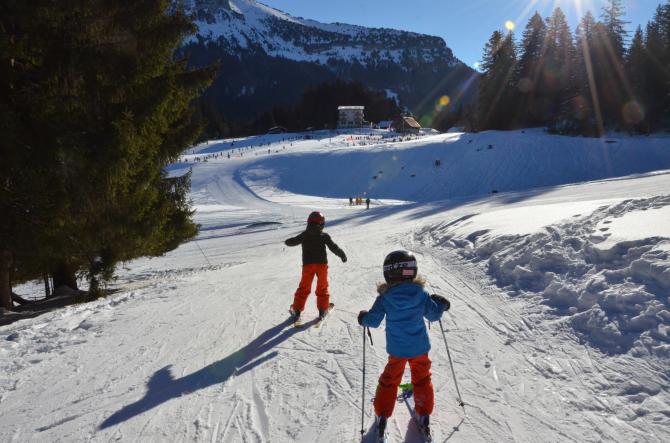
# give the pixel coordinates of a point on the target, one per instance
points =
(269, 52)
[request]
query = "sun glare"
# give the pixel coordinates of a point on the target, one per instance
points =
(509, 24)
(577, 7)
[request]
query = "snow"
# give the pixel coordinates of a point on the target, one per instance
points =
(635, 225)
(559, 327)
(611, 286)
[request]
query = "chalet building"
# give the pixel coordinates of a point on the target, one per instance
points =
(350, 116)
(406, 125)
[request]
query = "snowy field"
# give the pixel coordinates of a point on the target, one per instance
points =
(554, 252)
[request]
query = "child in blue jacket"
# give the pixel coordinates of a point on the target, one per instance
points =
(405, 303)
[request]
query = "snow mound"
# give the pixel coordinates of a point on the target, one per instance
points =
(608, 272)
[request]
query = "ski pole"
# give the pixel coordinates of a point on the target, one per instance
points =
(363, 392)
(460, 399)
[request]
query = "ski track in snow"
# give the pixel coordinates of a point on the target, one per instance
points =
(197, 346)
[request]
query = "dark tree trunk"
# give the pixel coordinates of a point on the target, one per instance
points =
(47, 288)
(5, 283)
(65, 275)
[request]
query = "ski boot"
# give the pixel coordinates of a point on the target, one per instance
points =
(380, 426)
(295, 314)
(424, 427)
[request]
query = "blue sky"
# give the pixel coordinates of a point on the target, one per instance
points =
(465, 25)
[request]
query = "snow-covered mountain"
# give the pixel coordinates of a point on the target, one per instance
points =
(266, 50)
(243, 24)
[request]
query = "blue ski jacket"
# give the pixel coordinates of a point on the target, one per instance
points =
(404, 306)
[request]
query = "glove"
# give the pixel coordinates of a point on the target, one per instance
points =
(344, 258)
(361, 316)
(441, 300)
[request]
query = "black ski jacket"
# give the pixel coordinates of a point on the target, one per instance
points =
(314, 242)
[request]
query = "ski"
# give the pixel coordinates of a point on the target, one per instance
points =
(407, 391)
(322, 319)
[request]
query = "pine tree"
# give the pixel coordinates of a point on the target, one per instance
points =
(657, 77)
(583, 113)
(664, 28)
(132, 210)
(558, 65)
(614, 88)
(612, 13)
(636, 58)
(530, 73)
(98, 107)
(30, 184)
(497, 84)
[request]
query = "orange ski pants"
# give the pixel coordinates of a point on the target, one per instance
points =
(387, 389)
(305, 286)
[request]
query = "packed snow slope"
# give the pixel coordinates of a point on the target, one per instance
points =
(558, 281)
(470, 165)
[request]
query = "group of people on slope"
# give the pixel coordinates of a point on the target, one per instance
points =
(402, 300)
(359, 201)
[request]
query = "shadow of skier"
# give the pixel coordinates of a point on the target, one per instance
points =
(162, 386)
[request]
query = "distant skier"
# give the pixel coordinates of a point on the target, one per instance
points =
(367, 203)
(314, 262)
(404, 302)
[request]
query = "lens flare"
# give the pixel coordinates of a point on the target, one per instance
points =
(633, 113)
(509, 24)
(444, 100)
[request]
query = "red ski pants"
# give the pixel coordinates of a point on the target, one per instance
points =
(322, 296)
(387, 389)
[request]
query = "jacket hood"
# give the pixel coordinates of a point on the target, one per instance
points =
(383, 288)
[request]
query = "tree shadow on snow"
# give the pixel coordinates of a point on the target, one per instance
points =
(162, 386)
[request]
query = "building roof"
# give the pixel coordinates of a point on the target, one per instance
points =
(409, 121)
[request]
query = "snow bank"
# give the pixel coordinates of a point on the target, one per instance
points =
(607, 272)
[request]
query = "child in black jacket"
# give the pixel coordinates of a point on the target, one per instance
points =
(314, 262)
